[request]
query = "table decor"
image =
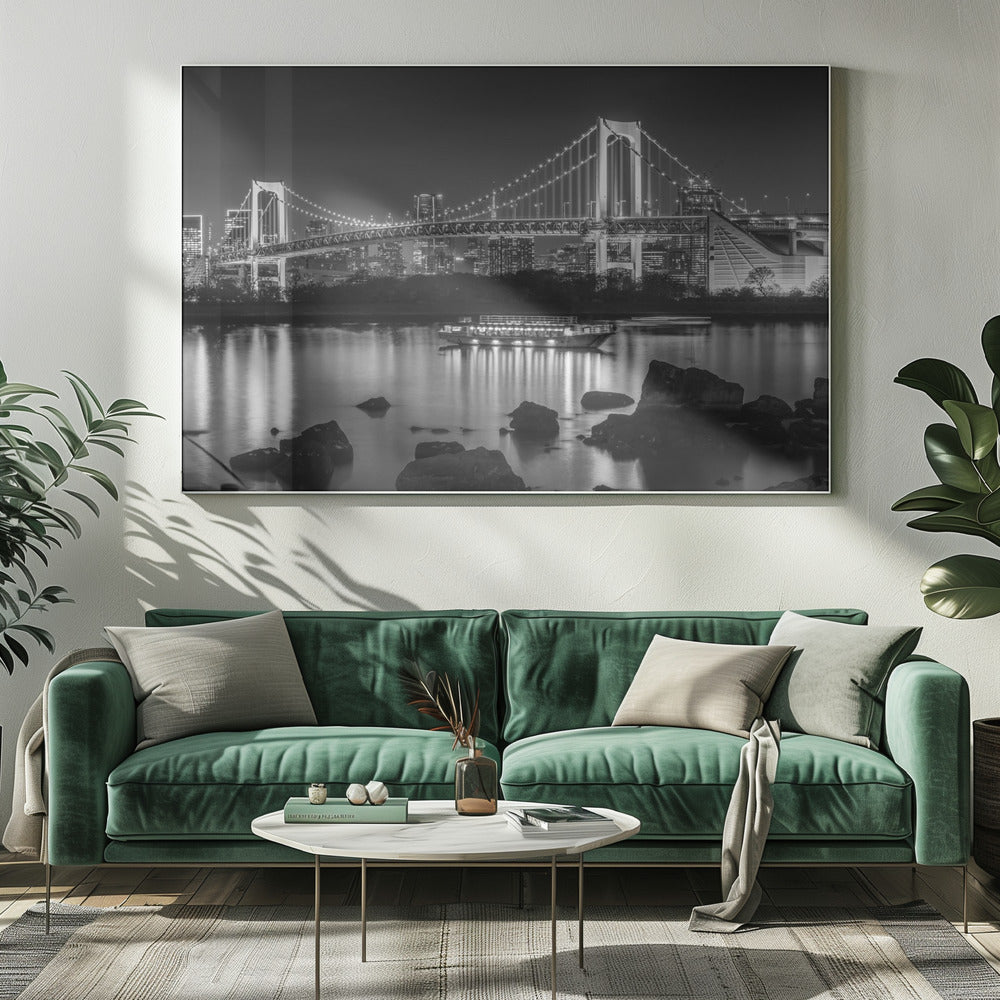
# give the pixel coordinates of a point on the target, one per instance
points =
(337, 810)
(436, 696)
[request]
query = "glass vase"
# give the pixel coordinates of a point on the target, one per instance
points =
(475, 785)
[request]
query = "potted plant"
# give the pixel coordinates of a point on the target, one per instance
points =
(44, 455)
(966, 500)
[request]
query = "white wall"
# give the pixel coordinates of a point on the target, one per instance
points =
(90, 189)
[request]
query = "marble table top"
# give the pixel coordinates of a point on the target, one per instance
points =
(435, 832)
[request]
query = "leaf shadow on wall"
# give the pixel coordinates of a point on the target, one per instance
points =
(179, 555)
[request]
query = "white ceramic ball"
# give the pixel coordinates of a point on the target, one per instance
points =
(357, 794)
(377, 792)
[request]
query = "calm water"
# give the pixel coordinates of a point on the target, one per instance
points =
(240, 383)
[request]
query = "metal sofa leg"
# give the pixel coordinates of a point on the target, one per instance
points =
(965, 897)
(48, 895)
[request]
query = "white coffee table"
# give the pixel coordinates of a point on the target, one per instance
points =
(436, 833)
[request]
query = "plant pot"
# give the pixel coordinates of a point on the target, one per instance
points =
(475, 785)
(986, 794)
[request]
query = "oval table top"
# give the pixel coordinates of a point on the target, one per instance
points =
(436, 832)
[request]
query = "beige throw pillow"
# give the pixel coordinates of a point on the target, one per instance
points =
(701, 685)
(226, 676)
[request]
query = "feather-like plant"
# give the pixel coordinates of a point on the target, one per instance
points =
(434, 695)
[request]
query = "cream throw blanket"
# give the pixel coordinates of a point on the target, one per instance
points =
(745, 833)
(24, 833)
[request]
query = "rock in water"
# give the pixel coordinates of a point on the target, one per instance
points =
(765, 409)
(477, 470)
(428, 449)
(258, 460)
(377, 404)
(597, 400)
(313, 454)
(532, 420)
(667, 384)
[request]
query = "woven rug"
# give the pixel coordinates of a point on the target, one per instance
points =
(486, 952)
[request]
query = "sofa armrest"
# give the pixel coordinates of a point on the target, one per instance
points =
(91, 731)
(927, 732)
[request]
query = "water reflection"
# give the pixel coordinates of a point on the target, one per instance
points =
(241, 384)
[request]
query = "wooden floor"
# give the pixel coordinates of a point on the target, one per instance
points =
(22, 884)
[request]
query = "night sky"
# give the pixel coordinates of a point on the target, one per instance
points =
(364, 140)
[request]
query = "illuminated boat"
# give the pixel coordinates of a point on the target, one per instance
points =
(527, 331)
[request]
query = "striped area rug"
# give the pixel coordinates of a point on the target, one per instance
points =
(486, 952)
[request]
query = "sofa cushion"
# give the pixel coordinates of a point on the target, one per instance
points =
(211, 786)
(570, 670)
(678, 782)
(350, 660)
(238, 674)
(701, 685)
(834, 683)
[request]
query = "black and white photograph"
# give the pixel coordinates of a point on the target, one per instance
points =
(506, 279)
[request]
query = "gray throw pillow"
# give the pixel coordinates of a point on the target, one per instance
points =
(834, 683)
(226, 676)
(701, 685)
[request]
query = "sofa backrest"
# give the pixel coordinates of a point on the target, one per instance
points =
(350, 660)
(570, 670)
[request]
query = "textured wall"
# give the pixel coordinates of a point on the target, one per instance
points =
(90, 168)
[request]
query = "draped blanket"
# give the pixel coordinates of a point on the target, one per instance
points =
(745, 833)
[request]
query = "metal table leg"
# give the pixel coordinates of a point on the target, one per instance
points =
(579, 904)
(553, 927)
(316, 944)
(364, 910)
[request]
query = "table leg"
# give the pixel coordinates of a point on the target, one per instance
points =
(364, 910)
(316, 947)
(579, 904)
(553, 880)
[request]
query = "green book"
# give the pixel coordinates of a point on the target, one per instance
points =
(299, 810)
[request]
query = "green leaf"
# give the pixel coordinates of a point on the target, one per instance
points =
(961, 524)
(937, 497)
(948, 459)
(991, 344)
(976, 426)
(989, 508)
(6, 659)
(100, 478)
(989, 469)
(72, 439)
(79, 386)
(113, 447)
(19, 388)
(963, 586)
(87, 501)
(941, 380)
(3, 374)
(127, 404)
(16, 648)
(40, 635)
(86, 409)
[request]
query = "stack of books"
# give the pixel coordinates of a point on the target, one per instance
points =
(538, 820)
(300, 810)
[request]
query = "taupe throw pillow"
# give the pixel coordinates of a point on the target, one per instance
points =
(226, 676)
(701, 685)
(834, 683)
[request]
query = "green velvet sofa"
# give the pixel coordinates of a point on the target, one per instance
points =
(549, 684)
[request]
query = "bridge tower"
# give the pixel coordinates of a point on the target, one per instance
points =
(631, 134)
(277, 189)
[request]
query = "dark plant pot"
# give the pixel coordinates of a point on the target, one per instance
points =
(986, 794)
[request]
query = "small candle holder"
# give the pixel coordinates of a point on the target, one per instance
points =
(317, 794)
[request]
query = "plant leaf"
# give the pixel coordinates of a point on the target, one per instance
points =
(40, 635)
(100, 478)
(6, 659)
(16, 648)
(976, 426)
(939, 379)
(937, 497)
(80, 386)
(948, 459)
(991, 344)
(948, 520)
(963, 586)
(87, 501)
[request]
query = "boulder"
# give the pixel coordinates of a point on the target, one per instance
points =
(813, 483)
(474, 471)
(597, 400)
(532, 420)
(258, 460)
(765, 409)
(313, 454)
(428, 449)
(377, 404)
(666, 384)
(809, 435)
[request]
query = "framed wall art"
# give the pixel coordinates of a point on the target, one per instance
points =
(506, 279)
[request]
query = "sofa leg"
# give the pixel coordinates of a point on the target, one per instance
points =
(48, 895)
(965, 897)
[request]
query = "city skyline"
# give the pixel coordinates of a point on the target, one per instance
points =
(365, 141)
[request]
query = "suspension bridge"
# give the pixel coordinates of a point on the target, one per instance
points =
(614, 186)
